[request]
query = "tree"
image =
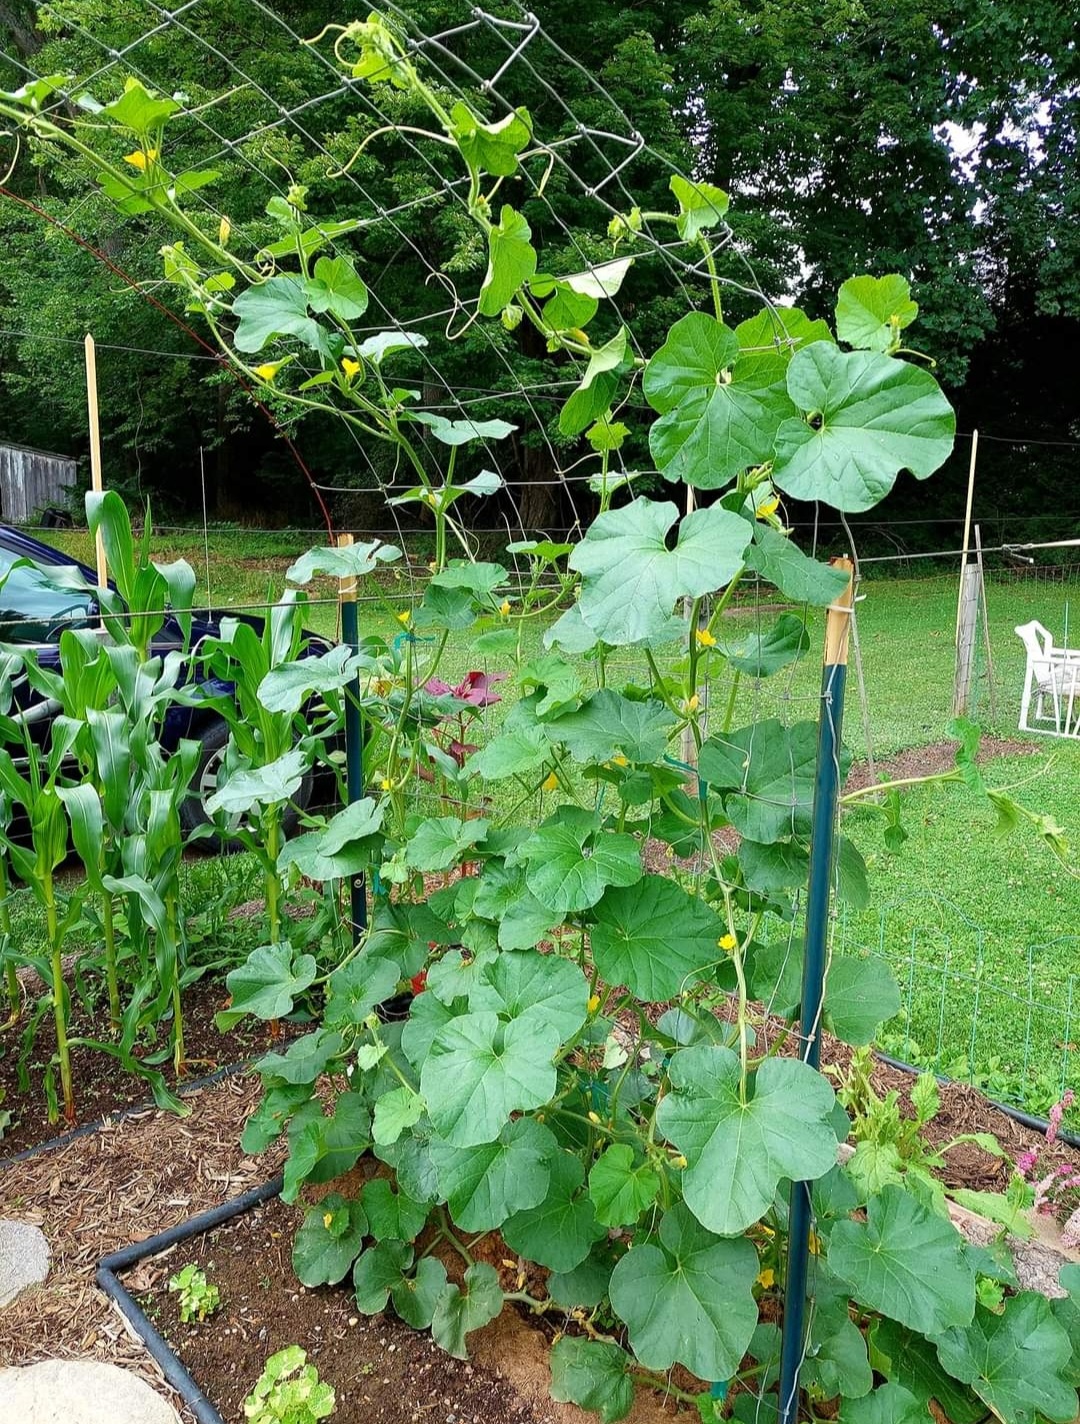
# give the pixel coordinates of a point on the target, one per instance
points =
(852, 137)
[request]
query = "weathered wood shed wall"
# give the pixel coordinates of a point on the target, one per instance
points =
(31, 480)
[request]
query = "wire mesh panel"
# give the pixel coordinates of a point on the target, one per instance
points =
(527, 321)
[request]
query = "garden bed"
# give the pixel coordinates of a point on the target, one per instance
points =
(383, 1372)
(103, 1085)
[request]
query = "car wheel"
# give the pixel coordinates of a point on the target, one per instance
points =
(214, 739)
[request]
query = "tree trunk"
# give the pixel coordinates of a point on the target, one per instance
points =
(537, 502)
(17, 22)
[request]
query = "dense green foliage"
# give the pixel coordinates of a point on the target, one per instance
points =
(868, 138)
(614, 1104)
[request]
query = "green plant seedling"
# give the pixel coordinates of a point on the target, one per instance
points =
(198, 1297)
(289, 1391)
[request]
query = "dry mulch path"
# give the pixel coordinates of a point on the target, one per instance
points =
(100, 1192)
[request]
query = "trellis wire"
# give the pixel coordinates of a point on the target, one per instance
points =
(613, 150)
(954, 994)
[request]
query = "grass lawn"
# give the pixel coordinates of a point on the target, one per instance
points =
(982, 931)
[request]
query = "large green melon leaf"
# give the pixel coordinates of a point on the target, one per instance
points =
(865, 418)
(739, 1152)
(688, 1299)
(592, 1374)
(480, 1070)
(558, 1231)
(525, 984)
(631, 580)
(654, 938)
(1015, 1362)
(718, 414)
(906, 1262)
(486, 1184)
(766, 772)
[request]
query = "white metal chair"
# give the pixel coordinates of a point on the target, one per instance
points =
(1051, 700)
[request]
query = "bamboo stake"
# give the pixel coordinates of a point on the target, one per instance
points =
(967, 529)
(95, 451)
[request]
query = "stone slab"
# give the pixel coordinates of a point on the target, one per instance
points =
(80, 1392)
(24, 1259)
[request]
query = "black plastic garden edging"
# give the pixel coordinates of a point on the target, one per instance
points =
(108, 1279)
(1036, 1124)
(53, 1144)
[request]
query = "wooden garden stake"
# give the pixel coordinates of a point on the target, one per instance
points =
(95, 451)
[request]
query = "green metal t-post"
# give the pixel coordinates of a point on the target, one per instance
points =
(822, 859)
(354, 736)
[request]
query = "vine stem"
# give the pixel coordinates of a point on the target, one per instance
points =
(850, 797)
(447, 1233)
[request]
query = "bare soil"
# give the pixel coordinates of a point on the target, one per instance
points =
(382, 1371)
(103, 1085)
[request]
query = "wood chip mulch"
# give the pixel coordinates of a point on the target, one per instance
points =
(132, 1179)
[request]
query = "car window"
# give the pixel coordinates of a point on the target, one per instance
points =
(31, 610)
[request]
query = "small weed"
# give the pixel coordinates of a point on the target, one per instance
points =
(198, 1297)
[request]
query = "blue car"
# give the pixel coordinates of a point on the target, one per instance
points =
(34, 613)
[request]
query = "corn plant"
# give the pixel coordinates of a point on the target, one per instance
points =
(84, 686)
(10, 668)
(48, 804)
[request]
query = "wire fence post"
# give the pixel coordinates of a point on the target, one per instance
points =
(822, 861)
(354, 733)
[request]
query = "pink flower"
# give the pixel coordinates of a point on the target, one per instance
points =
(474, 688)
(1057, 1112)
(1043, 1201)
(1025, 1164)
(1070, 1232)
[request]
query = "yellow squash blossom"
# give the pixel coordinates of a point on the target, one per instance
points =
(269, 370)
(504, 608)
(550, 782)
(727, 942)
(351, 368)
(404, 616)
(619, 760)
(766, 1279)
(224, 228)
(140, 158)
(593, 1004)
(769, 507)
(705, 638)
